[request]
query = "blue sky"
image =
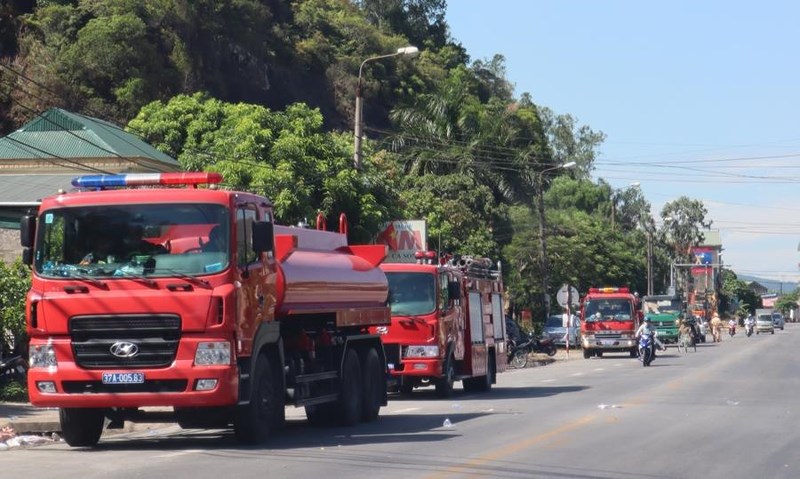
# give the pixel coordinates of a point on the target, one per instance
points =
(697, 99)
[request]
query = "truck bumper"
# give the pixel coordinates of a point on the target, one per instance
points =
(611, 345)
(177, 385)
(417, 368)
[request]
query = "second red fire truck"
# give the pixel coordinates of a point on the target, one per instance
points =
(447, 324)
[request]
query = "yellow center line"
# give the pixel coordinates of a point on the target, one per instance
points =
(512, 449)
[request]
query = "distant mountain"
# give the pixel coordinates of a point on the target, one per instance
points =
(772, 285)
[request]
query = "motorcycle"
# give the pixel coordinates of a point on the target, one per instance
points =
(646, 347)
(748, 329)
(13, 369)
(518, 352)
(731, 330)
(543, 345)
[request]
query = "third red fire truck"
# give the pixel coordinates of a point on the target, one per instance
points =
(447, 324)
(609, 319)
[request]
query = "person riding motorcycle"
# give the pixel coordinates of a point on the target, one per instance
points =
(647, 328)
(749, 324)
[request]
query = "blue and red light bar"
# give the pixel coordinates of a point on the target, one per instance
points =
(146, 179)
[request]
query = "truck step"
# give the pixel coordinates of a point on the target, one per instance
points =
(314, 377)
(317, 400)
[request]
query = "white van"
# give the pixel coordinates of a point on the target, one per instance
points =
(764, 322)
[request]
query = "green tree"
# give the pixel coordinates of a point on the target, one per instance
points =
(286, 156)
(461, 214)
(736, 291)
(684, 219)
(14, 285)
(569, 140)
(788, 302)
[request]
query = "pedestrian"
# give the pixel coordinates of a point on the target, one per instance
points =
(716, 328)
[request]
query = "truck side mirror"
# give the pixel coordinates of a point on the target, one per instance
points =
(454, 290)
(263, 239)
(27, 230)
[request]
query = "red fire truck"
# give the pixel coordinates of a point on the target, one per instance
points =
(609, 320)
(191, 297)
(447, 324)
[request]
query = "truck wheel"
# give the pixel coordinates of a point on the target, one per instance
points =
(444, 384)
(254, 421)
(634, 353)
(81, 427)
(374, 386)
(586, 353)
(351, 398)
(480, 383)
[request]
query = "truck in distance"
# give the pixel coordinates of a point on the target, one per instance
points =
(664, 312)
(609, 319)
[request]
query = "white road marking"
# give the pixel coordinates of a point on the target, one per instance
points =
(408, 409)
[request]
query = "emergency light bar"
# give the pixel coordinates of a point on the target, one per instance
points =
(146, 179)
(609, 289)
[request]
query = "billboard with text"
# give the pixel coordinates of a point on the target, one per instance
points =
(404, 238)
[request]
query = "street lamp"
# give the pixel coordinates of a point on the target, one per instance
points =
(542, 241)
(409, 51)
(635, 184)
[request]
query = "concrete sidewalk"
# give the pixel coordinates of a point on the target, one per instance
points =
(24, 418)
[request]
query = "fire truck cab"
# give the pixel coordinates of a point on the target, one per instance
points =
(610, 317)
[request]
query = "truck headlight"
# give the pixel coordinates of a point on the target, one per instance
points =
(42, 356)
(422, 351)
(213, 354)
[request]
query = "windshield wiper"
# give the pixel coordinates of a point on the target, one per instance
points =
(187, 277)
(143, 279)
(88, 279)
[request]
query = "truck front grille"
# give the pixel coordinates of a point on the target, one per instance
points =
(156, 337)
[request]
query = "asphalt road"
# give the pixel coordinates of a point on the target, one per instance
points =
(728, 410)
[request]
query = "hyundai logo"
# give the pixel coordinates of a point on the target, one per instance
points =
(124, 349)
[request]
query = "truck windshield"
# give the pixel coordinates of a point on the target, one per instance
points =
(608, 310)
(411, 294)
(661, 305)
(117, 241)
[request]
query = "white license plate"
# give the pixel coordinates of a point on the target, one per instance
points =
(123, 378)
(610, 342)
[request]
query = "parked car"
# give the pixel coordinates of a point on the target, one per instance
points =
(777, 320)
(554, 329)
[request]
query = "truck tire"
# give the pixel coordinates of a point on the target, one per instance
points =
(587, 353)
(374, 386)
(444, 384)
(81, 427)
(349, 406)
(254, 421)
(481, 383)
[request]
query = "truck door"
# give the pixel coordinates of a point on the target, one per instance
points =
(255, 295)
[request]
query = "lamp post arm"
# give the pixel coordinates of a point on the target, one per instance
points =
(358, 128)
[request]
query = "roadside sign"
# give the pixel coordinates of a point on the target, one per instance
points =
(570, 292)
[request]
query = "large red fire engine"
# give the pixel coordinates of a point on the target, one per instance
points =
(447, 324)
(609, 319)
(193, 298)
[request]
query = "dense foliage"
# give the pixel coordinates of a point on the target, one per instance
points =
(263, 92)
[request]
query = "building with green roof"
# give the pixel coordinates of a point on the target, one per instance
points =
(44, 156)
